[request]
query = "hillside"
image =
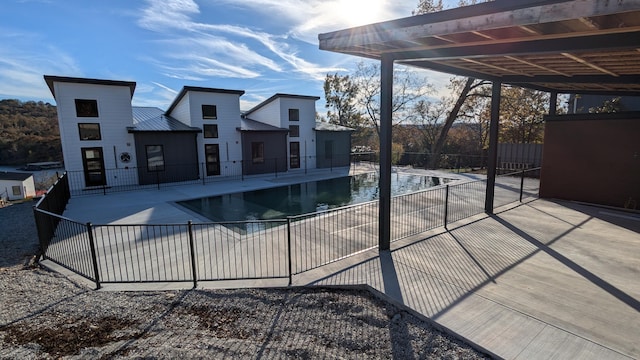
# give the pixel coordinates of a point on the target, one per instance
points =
(28, 132)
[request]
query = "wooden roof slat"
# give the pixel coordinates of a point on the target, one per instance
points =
(583, 61)
(545, 68)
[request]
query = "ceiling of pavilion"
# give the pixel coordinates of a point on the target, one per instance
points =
(577, 46)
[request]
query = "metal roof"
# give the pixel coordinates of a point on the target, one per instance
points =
(576, 46)
(147, 119)
(50, 79)
(253, 125)
(280, 95)
(186, 89)
(14, 176)
(324, 126)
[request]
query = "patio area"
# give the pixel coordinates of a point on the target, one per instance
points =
(541, 280)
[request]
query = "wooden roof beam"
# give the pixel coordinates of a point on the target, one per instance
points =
(585, 62)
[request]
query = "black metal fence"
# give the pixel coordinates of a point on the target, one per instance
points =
(261, 249)
(139, 178)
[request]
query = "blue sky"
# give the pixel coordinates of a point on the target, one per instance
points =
(260, 46)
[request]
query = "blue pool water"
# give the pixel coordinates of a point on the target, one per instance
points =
(304, 198)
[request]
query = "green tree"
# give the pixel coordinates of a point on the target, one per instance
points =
(340, 93)
(28, 132)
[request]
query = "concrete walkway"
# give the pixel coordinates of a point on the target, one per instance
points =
(543, 280)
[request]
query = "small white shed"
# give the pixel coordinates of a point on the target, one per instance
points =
(16, 185)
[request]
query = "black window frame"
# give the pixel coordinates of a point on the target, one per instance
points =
(294, 114)
(154, 168)
(86, 108)
(212, 133)
(257, 148)
(18, 188)
(211, 112)
(294, 131)
(85, 137)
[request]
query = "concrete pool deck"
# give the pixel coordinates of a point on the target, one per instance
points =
(157, 206)
(540, 280)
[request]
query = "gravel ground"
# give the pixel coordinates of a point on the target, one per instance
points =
(45, 315)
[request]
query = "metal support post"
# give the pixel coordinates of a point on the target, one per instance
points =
(493, 147)
(192, 250)
(94, 257)
(386, 94)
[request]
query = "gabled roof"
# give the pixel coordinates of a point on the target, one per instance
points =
(324, 126)
(14, 176)
(253, 125)
(50, 79)
(186, 89)
(148, 119)
(564, 46)
(279, 95)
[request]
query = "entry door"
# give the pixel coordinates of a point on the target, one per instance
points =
(294, 155)
(93, 164)
(212, 157)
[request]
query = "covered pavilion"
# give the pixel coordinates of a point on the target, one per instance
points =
(557, 46)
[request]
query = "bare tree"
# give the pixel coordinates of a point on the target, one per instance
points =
(408, 88)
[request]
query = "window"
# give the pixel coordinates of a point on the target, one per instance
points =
(155, 158)
(86, 108)
(210, 131)
(294, 130)
(16, 190)
(89, 131)
(257, 152)
(209, 112)
(294, 115)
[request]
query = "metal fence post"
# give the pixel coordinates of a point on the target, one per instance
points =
(446, 207)
(193, 255)
(289, 249)
(94, 257)
(521, 184)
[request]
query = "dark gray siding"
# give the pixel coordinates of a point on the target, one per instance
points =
(275, 152)
(180, 156)
(341, 148)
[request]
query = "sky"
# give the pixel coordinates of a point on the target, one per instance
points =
(260, 46)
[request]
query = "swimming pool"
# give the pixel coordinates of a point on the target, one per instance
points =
(304, 198)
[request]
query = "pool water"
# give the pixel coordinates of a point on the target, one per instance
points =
(304, 198)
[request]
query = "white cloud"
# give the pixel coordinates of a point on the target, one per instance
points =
(223, 50)
(21, 70)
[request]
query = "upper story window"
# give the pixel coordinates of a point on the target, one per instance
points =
(86, 108)
(89, 131)
(209, 112)
(210, 131)
(294, 114)
(294, 130)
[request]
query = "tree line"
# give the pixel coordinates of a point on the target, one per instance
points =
(28, 132)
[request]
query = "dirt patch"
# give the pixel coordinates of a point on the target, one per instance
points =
(72, 335)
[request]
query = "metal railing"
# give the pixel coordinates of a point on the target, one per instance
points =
(261, 249)
(139, 178)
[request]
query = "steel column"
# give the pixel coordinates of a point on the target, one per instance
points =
(386, 94)
(493, 147)
(553, 103)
